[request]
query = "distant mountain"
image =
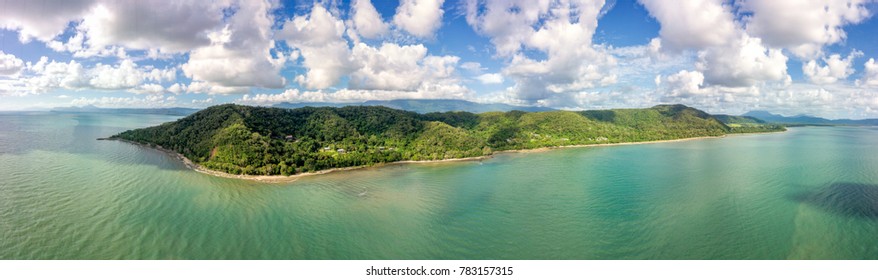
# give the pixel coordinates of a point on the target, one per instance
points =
(806, 120)
(175, 111)
(424, 105)
(729, 119)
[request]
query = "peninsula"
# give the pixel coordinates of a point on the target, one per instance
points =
(246, 140)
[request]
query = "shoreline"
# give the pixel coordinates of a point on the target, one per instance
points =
(291, 178)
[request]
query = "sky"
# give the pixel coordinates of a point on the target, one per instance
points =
(813, 57)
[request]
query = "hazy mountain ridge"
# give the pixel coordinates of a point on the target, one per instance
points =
(806, 120)
(173, 111)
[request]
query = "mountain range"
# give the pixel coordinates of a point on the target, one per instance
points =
(173, 111)
(806, 120)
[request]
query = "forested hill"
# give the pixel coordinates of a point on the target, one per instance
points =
(267, 141)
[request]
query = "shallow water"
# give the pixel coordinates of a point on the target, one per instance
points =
(808, 193)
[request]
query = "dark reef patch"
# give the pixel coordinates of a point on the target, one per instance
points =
(848, 199)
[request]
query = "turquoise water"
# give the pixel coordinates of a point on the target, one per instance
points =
(809, 193)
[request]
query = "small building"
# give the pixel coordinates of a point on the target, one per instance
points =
(326, 148)
(340, 151)
(289, 138)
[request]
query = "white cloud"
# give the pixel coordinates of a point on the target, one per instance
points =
(835, 69)
(367, 20)
(9, 64)
(46, 75)
(727, 55)
(561, 30)
(803, 27)
(176, 26)
(289, 95)
(205, 101)
(148, 89)
(684, 83)
(395, 67)
(40, 19)
(870, 75)
(490, 78)
(744, 62)
(177, 88)
(124, 76)
(318, 36)
(419, 17)
(162, 75)
(239, 56)
(694, 24)
(103, 28)
(507, 23)
(472, 67)
(52, 75)
(214, 88)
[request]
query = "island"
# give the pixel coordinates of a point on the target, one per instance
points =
(262, 141)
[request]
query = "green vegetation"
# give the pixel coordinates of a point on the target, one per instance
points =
(275, 141)
(748, 124)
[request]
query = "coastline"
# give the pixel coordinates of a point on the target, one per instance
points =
(291, 178)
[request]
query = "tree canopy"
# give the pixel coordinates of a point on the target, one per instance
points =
(274, 141)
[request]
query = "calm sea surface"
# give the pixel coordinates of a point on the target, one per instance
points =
(810, 193)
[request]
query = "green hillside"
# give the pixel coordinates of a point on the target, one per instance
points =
(747, 124)
(275, 141)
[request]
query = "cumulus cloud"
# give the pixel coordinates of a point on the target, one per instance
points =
(151, 88)
(177, 88)
(684, 83)
(46, 75)
(395, 67)
(870, 75)
(507, 23)
(472, 67)
(419, 17)
(206, 101)
(562, 30)
(9, 64)
(176, 26)
(367, 20)
(318, 37)
(103, 28)
(744, 62)
(123, 76)
(40, 19)
(727, 55)
(835, 68)
(490, 78)
(692, 24)
(239, 56)
(803, 27)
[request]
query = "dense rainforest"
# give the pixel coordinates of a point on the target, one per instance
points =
(274, 141)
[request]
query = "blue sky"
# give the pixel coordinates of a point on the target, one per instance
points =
(789, 57)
